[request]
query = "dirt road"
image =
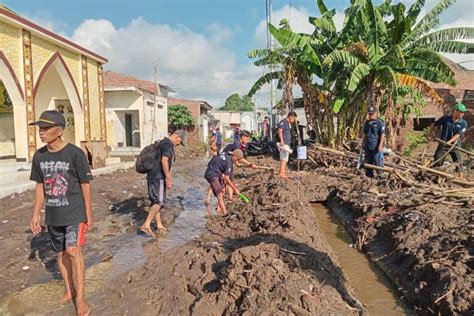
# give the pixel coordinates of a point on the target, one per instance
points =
(268, 257)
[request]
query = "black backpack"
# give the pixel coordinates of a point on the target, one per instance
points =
(146, 160)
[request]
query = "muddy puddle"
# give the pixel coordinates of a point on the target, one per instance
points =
(370, 285)
(124, 252)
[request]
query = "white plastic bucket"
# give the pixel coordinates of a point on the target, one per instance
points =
(302, 153)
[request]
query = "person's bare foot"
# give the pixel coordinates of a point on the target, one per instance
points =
(147, 230)
(82, 309)
(68, 297)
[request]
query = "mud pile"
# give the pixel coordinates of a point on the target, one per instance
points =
(266, 257)
(422, 239)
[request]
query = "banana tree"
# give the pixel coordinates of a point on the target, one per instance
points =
(398, 52)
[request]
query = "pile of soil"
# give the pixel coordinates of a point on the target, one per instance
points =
(423, 241)
(267, 257)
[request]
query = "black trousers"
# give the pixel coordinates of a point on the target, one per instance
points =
(455, 156)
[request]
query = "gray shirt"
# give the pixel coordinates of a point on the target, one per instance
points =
(285, 126)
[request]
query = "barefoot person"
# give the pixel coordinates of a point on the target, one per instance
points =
(237, 144)
(218, 174)
(159, 179)
(284, 138)
(62, 176)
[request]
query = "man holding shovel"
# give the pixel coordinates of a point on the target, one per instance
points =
(452, 128)
(240, 144)
(218, 174)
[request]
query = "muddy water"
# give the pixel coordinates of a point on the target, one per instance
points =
(127, 251)
(370, 285)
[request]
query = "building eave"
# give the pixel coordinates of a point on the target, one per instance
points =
(40, 31)
(119, 89)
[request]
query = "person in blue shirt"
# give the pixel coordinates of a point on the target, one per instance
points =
(373, 141)
(218, 140)
(452, 128)
(218, 174)
(237, 133)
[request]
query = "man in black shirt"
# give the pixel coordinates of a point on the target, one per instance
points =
(159, 179)
(62, 176)
(284, 138)
(218, 174)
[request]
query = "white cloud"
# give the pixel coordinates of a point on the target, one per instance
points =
(298, 22)
(298, 17)
(195, 65)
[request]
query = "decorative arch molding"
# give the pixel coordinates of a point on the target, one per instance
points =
(58, 62)
(9, 80)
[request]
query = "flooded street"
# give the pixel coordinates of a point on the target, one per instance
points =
(115, 246)
(370, 285)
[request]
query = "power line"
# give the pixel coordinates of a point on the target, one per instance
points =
(289, 13)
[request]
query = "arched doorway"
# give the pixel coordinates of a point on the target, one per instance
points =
(12, 110)
(56, 90)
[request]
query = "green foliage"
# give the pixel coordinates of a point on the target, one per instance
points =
(239, 104)
(179, 117)
(415, 140)
(383, 56)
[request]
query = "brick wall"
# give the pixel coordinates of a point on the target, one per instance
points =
(193, 136)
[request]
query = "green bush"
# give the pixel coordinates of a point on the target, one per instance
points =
(180, 117)
(415, 140)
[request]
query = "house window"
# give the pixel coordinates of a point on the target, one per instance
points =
(420, 123)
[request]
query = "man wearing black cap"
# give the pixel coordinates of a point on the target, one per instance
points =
(62, 174)
(373, 141)
(241, 144)
(159, 179)
(218, 174)
(452, 128)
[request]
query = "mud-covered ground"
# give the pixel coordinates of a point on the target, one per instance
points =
(423, 238)
(267, 257)
(115, 246)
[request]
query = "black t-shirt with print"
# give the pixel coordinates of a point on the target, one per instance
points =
(62, 174)
(165, 149)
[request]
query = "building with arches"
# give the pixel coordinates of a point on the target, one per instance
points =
(40, 70)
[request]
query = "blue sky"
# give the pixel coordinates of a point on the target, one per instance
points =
(200, 45)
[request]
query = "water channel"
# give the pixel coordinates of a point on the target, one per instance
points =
(370, 284)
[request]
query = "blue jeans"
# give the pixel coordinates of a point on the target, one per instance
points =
(373, 157)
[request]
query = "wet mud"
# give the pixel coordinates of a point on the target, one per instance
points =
(268, 257)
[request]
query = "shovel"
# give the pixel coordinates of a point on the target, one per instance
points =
(244, 198)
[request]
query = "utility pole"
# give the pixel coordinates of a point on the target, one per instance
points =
(272, 83)
(155, 100)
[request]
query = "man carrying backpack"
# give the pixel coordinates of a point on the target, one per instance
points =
(159, 179)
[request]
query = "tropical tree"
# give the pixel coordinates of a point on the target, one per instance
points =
(395, 50)
(236, 103)
(179, 117)
(379, 53)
